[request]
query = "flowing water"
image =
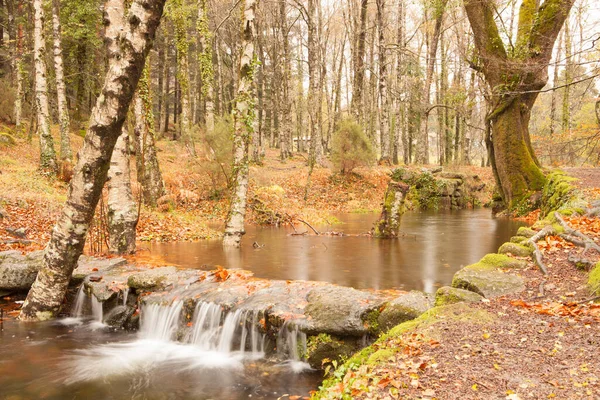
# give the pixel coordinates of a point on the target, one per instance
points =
(222, 355)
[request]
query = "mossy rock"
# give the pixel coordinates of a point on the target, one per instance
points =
(501, 261)
(404, 308)
(519, 239)
(515, 249)
(450, 295)
(324, 349)
(487, 281)
(526, 232)
(594, 280)
(151, 279)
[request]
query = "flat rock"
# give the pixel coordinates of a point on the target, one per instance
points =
(88, 265)
(152, 278)
(450, 295)
(487, 281)
(339, 311)
(18, 272)
(404, 308)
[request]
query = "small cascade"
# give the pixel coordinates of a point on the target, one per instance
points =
(97, 311)
(77, 310)
(124, 294)
(291, 345)
(214, 331)
(160, 322)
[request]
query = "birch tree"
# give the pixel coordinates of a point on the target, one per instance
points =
(243, 123)
(47, 154)
(61, 91)
(68, 236)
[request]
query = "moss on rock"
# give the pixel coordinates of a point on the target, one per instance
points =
(515, 249)
(525, 231)
(450, 295)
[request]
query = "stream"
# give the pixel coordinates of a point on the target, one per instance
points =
(80, 358)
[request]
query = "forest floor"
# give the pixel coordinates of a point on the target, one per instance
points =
(197, 204)
(541, 343)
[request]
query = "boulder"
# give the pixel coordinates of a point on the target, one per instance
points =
(450, 295)
(18, 272)
(525, 231)
(515, 249)
(324, 348)
(88, 265)
(406, 307)
(487, 281)
(119, 316)
(340, 311)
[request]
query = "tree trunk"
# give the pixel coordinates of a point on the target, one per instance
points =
(243, 123)
(205, 61)
(106, 122)
(122, 211)
(384, 119)
(423, 145)
(61, 91)
(19, 68)
(47, 154)
(388, 225)
(148, 170)
(515, 82)
(285, 136)
(359, 64)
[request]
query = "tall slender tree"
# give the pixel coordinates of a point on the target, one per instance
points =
(243, 124)
(47, 154)
(61, 91)
(68, 236)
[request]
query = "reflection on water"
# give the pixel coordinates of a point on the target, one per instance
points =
(434, 246)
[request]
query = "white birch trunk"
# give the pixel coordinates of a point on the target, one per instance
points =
(61, 91)
(47, 154)
(243, 119)
(125, 66)
(122, 210)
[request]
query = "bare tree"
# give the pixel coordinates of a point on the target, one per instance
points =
(61, 91)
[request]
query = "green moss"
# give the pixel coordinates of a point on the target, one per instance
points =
(371, 321)
(314, 341)
(501, 261)
(449, 295)
(560, 194)
(518, 239)
(515, 249)
(525, 231)
(594, 280)
(382, 355)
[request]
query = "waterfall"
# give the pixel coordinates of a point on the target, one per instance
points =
(214, 331)
(160, 322)
(97, 311)
(291, 345)
(77, 310)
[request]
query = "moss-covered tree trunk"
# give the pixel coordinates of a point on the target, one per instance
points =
(126, 62)
(388, 225)
(148, 169)
(515, 77)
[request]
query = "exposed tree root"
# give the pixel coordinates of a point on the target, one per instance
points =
(580, 240)
(537, 254)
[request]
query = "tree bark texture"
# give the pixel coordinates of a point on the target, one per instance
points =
(384, 106)
(388, 225)
(61, 91)
(243, 123)
(515, 79)
(47, 154)
(68, 236)
(19, 68)
(148, 169)
(122, 210)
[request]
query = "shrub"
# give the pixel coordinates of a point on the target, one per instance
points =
(350, 147)
(218, 146)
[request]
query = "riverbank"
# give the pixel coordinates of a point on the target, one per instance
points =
(197, 200)
(537, 338)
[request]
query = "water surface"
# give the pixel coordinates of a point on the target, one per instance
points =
(434, 245)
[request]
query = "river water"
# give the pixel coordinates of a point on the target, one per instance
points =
(81, 359)
(433, 246)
